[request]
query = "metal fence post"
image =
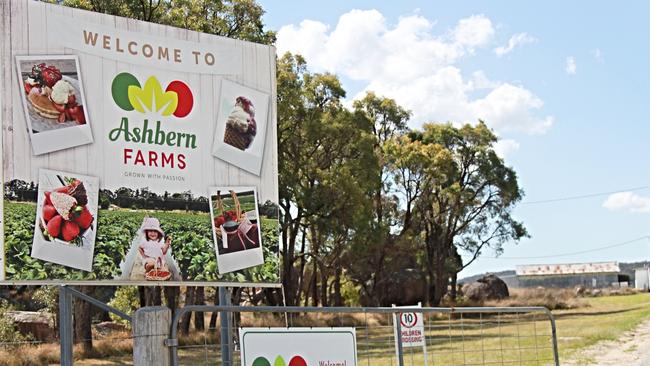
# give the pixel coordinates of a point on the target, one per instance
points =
(400, 350)
(226, 331)
(556, 356)
(65, 325)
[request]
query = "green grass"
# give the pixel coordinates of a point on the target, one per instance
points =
(606, 319)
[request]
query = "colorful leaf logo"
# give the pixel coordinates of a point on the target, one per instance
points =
(128, 94)
(279, 361)
(261, 361)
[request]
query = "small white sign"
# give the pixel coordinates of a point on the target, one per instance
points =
(411, 326)
(411, 329)
(298, 346)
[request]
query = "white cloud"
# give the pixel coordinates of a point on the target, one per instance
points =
(598, 55)
(505, 147)
(627, 202)
(474, 31)
(416, 64)
(509, 108)
(571, 66)
(516, 40)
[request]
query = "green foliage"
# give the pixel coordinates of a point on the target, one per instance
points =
(241, 19)
(8, 332)
(350, 292)
(327, 167)
(127, 300)
(47, 296)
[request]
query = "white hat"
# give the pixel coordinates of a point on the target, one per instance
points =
(151, 223)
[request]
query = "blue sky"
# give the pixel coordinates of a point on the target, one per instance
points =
(570, 98)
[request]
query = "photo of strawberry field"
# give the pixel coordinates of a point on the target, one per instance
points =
(193, 245)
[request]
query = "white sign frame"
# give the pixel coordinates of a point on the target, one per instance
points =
(308, 343)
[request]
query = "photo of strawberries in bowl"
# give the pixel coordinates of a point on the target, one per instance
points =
(65, 215)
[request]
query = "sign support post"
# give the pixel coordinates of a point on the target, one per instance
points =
(226, 327)
(398, 339)
(65, 325)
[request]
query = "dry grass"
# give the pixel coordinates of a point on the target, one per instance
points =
(119, 343)
(313, 320)
(552, 299)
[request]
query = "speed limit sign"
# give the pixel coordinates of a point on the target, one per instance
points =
(408, 320)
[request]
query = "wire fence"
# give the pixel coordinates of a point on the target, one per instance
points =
(453, 336)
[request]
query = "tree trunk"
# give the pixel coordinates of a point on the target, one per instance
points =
(171, 298)
(83, 321)
(142, 297)
(454, 289)
(441, 281)
(199, 299)
(213, 317)
(189, 300)
(314, 285)
(323, 285)
(338, 300)
(301, 273)
(149, 296)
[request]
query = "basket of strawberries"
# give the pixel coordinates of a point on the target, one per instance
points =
(234, 223)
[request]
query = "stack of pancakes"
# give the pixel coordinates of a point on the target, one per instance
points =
(43, 106)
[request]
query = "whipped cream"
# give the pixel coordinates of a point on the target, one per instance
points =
(238, 119)
(60, 92)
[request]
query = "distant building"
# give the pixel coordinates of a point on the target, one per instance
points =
(589, 275)
(642, 278)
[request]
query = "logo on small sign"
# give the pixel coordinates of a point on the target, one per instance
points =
(279, 361)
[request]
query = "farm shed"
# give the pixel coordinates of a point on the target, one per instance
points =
(590, 275)
(642, 278)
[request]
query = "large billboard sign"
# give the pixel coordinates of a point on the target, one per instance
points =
(298, 346)
(134, 152)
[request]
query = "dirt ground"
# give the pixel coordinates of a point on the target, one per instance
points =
(631, 349)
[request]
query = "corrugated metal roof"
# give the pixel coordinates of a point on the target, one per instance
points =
(565, 269)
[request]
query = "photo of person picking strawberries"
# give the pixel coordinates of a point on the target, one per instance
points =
(154, 245)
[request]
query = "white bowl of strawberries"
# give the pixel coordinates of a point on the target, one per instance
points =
(65, 216)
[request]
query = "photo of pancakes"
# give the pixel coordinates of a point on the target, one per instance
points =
(43, 106)
(52, 93)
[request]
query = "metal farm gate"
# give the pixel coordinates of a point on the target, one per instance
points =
(505, 336)
(453, 336)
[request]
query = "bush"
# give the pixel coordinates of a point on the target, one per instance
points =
(8, 332)
(127, 300)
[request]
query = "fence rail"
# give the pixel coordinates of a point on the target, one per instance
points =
(454, 336)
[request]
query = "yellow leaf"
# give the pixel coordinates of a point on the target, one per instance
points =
(152, 98)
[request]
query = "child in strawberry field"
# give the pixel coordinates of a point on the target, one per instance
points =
(152, 247)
